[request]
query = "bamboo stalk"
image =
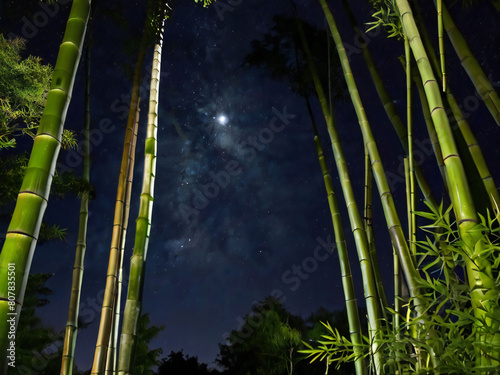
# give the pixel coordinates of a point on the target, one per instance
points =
(24, 227)
(441, 42)
(472, 66)
(130, 174)
(137, 263)
(412, 237)
(345, 267)
(108, 305)
(81, 244)
(357, 226)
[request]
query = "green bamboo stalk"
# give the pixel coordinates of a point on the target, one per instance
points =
(137, 263)
(357, 226)
(388, 105)
(475, 151)
(24, 227)
(441, 42)
(81, 244)
(110, 293)
(430, 127)
(412, 225)
(345, 267)
(370, 237)
(472, 66)
(478, 270)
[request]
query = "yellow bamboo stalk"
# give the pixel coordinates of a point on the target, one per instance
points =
(110, 293)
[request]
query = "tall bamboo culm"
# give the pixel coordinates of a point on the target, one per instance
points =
(133, 305)
(108, 305)
(81, 245)
(24, 228)
(357, 225)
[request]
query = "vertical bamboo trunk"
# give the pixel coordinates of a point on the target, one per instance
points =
(112, 354)
(74, 304)
(110, 293)
(412, 237)
(478, 270)
(137, 262)
(357, 226)
(472, 66)
(24, 228)
(345, 267)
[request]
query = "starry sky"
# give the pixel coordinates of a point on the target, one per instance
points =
(240, 209)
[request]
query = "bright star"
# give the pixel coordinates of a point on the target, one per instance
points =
(222, 119)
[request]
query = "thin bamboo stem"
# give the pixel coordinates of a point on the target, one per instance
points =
(472, 66)
(412, 236)
(81, 244)
(137, 263)
(108, 305)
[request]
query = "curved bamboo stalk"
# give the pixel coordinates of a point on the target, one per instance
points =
(81, 244)
(24, 227)
(110, 293)
(369, 283)
(478, 270)
(137, 262)
(472, 66)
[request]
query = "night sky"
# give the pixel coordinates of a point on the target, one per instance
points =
(240, 202)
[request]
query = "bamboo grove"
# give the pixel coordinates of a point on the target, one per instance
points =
(445, 324)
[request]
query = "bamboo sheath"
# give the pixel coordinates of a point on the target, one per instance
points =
(478, 269)
(24, 227)
(107, 312)
(143, 224)
(78, 268)
(357, 226)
